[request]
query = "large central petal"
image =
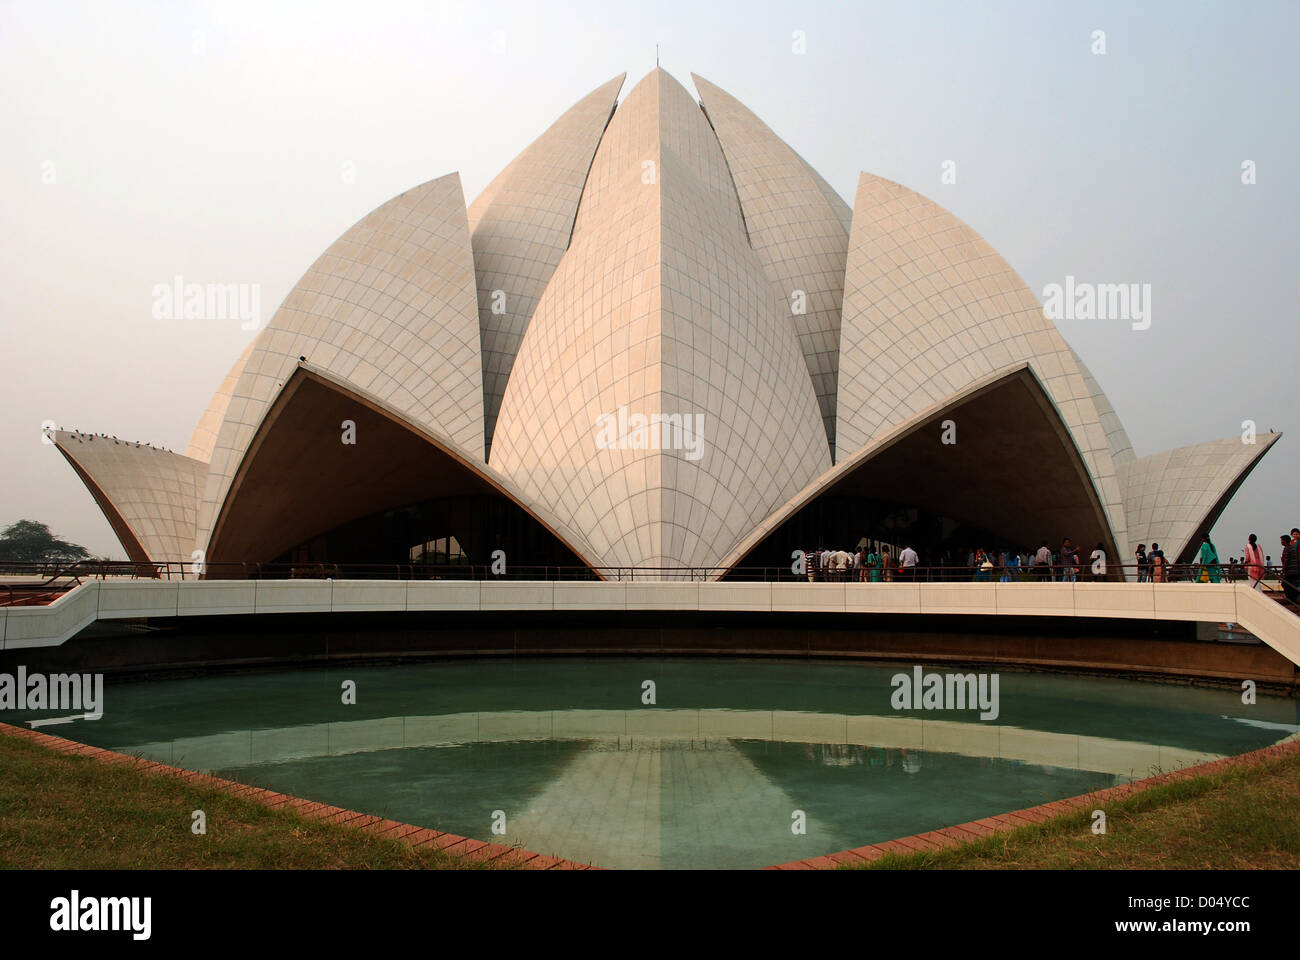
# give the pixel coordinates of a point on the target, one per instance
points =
(660, 306)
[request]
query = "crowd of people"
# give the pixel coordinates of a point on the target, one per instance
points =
(866, 564)
(878, 564)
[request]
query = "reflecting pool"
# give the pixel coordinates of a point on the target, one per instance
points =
(671, 763)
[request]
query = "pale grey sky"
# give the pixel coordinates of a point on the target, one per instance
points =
(208, 140)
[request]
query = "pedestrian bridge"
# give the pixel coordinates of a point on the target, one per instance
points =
(128, 599)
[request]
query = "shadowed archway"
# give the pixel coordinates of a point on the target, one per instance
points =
(1013, 474)
(300, 481)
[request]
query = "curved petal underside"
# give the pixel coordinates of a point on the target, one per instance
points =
(1004, 421)
(390, 308)
(298, 482)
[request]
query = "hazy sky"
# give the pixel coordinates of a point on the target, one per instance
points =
(210, 139)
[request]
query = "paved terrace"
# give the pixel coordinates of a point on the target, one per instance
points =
(107, 600)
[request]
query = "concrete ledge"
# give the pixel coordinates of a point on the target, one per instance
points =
(516, 595)
(579, 595)
(216, 597)
(820, 597)
(666, 595)
(1195, 601)
(883, 598)
(138, 598)
(735, 596)
(1115, 600)
(959, 597)
(1269, 621)
(55, 623)
(1036, 599)
(363, 595)
(442, 595)
(293, 596)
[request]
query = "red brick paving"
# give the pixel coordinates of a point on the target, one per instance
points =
(423, 835)
(938, 839)
(490, 851)
(871, 852)
(407, 833)
(444, 840)
(848, 856)
(518, 858)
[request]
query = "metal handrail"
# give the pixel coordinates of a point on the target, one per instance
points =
(322, 570)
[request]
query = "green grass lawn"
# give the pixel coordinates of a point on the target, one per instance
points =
(1247, 817)
(69, 812)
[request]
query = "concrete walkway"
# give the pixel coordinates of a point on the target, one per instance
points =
(108, 600)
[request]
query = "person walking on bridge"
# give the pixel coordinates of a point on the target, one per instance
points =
(1159, 571)
(1255, 564)
(907, 563)
(1211, 572)
(1043, 562)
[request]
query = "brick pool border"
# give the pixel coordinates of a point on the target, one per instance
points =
(409, 834)
(472, 849)
(964, 833)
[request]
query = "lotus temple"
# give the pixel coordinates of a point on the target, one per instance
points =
(489, 540)
(657, 340)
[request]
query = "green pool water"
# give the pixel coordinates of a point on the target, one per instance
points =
(731, 759)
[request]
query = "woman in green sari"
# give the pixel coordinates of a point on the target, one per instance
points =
(1210, 570)
(873, 567)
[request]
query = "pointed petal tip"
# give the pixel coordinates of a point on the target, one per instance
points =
(697, 80)
(616, 82)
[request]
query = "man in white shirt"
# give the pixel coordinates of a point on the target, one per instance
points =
(1043, 562)
(907, 561)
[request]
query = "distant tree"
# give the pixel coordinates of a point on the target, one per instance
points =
(30, 541)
